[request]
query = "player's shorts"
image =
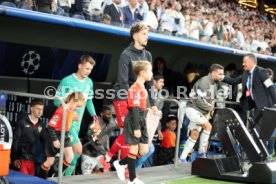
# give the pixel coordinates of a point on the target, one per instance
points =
(51, 151)
(121, 110)
(74, 133)
(89, 163)
(197, 119)
(129, 130)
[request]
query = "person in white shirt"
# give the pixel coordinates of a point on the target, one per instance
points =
(239, 37)
(208, 27)
(194, 27)
(170, 19)
(142, 4)
(151, 18)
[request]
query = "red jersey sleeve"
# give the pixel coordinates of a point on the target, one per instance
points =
(56, 119)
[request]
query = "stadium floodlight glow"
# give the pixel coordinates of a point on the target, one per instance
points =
(249, 3)
(270, 9)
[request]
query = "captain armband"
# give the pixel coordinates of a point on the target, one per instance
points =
(268, 83)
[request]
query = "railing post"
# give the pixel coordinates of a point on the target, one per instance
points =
(63, 122)
(180, 116)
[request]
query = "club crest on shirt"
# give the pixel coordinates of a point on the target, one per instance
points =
(87, 88)
(55, 118)
(39, 128)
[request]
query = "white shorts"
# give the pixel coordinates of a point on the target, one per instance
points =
(89, 163)
(197, 119)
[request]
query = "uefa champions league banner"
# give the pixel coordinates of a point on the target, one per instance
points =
(24, 60)
(20, 60)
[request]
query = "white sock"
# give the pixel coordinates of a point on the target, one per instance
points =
(189, 145)
(203, 141)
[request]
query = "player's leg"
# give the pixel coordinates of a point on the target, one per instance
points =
(69, 155)
(203, 140)
(121, 110)
(197, 119)
(77, 149)
(141, 160)
(131, 161)
(45, 167)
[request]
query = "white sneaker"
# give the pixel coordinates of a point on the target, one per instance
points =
(120, 170)
(135, 181)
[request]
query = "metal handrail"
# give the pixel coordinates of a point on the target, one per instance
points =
(179, 126)
(63, 122)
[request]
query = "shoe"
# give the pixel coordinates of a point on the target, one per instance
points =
(182, 161)
(106, 166)
(120, 169)
(202, 155)
(135, 181)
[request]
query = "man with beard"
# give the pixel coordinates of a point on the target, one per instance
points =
(125, 76)
(115, 12)
(98, 145)
(199, 107)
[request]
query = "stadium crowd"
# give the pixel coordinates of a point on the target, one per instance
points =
(221, 22)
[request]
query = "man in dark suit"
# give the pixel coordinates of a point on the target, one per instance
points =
(115, 12)
(132, 14)
(258, 90)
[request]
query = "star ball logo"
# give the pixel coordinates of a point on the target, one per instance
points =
(30, 62)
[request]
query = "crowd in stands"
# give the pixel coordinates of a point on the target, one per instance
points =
(218, 22)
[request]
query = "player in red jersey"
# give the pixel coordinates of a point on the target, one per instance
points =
(74, 101)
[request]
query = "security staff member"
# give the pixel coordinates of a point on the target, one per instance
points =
(27, 132)
(258, 90)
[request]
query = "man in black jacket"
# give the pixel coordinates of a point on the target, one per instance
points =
(29, 130)
(125, 76)
(258, 90)
(115, 12)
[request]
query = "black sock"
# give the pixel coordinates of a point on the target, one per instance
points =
(131, 163)
(123, 162)
(43, 172)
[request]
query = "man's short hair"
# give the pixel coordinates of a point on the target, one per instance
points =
(36, 102)
(75, 96)
(105, 108)
(215, 67)
(158, 77)
(141, 65)
(106, 17)
(87, 59)
(213, 35)
(136, 28)
(171, 117)
(252, 57)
